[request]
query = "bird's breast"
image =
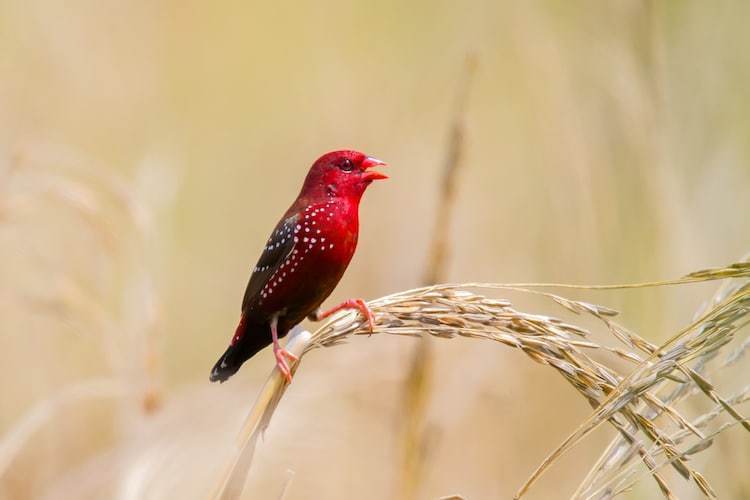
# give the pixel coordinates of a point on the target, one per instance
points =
(328, 232)
(325, 239)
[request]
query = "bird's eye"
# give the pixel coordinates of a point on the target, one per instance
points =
(346, 165)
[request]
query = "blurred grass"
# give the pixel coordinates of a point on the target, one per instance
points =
(605, 143)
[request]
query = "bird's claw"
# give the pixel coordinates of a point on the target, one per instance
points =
(358, 304)
(280, 353)
(361, 305)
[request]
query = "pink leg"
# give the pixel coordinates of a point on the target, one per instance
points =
(358, 304)
(280, 353)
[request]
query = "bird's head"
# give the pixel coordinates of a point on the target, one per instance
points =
(343, 173)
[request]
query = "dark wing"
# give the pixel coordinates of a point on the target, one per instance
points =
(278, 247)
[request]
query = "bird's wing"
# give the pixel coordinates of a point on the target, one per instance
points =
(278, 247)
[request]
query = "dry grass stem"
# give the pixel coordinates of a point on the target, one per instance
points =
(91, 280)
(613, 464)
(452, 165)
(233, 479)
(44, 411)
(418, 384)
(630, 401)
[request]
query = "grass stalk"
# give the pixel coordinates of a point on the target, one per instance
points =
(625, 400)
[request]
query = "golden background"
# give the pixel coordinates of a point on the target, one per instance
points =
(148, 148)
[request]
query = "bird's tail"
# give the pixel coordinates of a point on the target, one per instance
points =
(247, 341)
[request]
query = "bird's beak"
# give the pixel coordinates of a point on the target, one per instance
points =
(370, 162)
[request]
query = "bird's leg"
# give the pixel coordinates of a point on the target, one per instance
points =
(358, 304)
(279, 352)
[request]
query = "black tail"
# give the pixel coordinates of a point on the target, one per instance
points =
(251, 340)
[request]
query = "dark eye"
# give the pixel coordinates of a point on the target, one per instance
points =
(346, 165)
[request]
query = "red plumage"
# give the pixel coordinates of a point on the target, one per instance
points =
(303, 260)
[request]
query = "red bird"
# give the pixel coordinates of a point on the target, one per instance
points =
(303, 260)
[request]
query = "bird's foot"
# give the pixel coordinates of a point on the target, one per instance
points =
(358, 304)
(361, 305)
(281, 356)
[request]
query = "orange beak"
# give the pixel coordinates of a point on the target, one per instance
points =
(370, 162)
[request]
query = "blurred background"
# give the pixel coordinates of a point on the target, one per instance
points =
(148, 148)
